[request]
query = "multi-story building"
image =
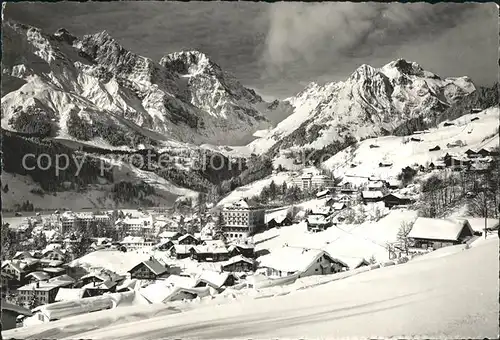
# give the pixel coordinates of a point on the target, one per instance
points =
(240, 220)
(142, 226)
(41, 292)
(310, 181)
(69, 220)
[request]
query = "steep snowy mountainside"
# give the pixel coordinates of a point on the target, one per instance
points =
(371, 102)
(94, 82)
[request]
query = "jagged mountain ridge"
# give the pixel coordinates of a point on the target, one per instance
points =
(371, 102)
(92, 81)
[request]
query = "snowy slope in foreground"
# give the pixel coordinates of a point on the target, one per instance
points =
(419, 298)
(477, 134)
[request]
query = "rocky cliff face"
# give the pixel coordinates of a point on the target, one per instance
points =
(90, 87)
(369, 103)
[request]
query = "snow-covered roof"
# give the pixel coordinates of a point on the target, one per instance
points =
(372, 194)
(438, 229)
(69, 294)
(15, 308)
(40, 286)
(168, 234)
(154, 265)
(108, 284)
(323, 193)
(183, 237)
(237, 259)
(209, 249)
(39, 276)
(292, 259)
(316, 219)
(212, 278)
(156, 292)
(214, 243)
(182, 248)
(22, 253)
(375, 185)
(241, 204)
(179, 281)
(132, 239)
(63, 309)
(62, 278)
(321, 210)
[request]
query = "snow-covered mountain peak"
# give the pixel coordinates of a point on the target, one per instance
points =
(190, 63)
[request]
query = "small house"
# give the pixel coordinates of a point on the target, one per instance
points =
(246, 250)
(180, 252)
(384, 164)
(318, 222)
(448, 124)
(474, 119)
(210, 253)
(238, 264)
(437, 233)
(148, 270)
(188, 239)
(37, 276)
(215, 280)
(413, 139)
(323, 193)
(22, 255)
(99, 288)
(279, 221)
(42, 292)
(371, 196)
(375, 185)
(436, 148)
(14, 269)
(391, 200)
(10, 312)
(472, 154)
(288, 261)
(164, 245)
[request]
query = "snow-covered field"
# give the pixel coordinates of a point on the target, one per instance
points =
(392, 150)
(348, 243)
(452, 296)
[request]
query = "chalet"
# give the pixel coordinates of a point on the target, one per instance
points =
(188, 239)
(54, 255)
(246, 250)
(346, 199)
(303, 262)
(148, 270)
(436, 148)
(10, 312)
(371, 196)
(472, 154)
(15, 268)
(100, 276)
(40, 292)
(448, 124)
(413, 139)
(180, 252)
(484, 152)
(22, 255)
(391, 200)
(317, 223)
(238, 264)
(476, 110)
(454, 162)
(37, 276)
(347, 188)
(384, 165)
(323, 193)
(99, 288)
(279, 221)
(164, 245)
(210, 254)
(215, 280)
(437, 233)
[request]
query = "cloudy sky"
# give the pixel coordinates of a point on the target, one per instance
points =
(279, 48)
